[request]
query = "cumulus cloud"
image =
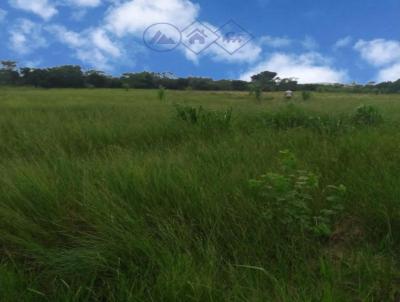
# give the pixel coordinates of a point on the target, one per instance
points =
(3, 14)
(275, 42)
(26, 36)
(93, 47)
(48, 8)
(124, 19)
(103, 42)
(384, 54)
(42, 8)
(70, 38)
(133, 17)
(379, 52)
(391, 73)
(343, 42)
(309, 43)
(247, 54)
(85, 3)
(306, 68)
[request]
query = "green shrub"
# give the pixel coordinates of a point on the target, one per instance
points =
(292, 116)
(161, 93)
(367, 115)
(256, 91)
(204, 118)
(289, 196)
(306, 95)
(288, 117)
(125, 86)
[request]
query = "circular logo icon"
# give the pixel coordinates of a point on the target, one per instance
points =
(162, 37)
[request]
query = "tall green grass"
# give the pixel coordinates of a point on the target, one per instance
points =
(107, 196)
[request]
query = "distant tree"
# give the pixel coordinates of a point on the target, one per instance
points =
(9, 65)
(8, 73)
(240, 85)
(222, 85)
(34, 77)
(389, 87)
(67, 76)
(287, 84)
(115, 83)
(196, 83)
(143, 80)
(70, 76)
(96, 79)
(265, 80)
(182, 83)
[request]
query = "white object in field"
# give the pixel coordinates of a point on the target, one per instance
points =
(289, 94)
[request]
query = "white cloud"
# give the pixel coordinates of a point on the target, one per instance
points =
(307, 68)
(275, 42)
(247, 54)
(344, 42)
(85, 3)
(3, 14)
(391, 73)
(379, 52)
(31, 64)
(93, 47)
(26, 36)
(78, 15)
(100, 39)
(48, 8)
(41, 8)
(309, 43)
(133, 17)
(384, 54)
(70, 38)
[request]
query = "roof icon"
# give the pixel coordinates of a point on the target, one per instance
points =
(197, 36)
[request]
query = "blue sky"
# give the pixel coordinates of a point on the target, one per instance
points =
(310, 40)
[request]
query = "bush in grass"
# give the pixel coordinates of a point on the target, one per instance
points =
(288, 117)
(256, 91)
(291, 199)
(306, 95)
(126, 86)
(161, 93)
(292, 116)
(329, 124)
(204, 118)
(367, 115)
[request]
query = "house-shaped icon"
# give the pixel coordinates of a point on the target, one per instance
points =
(197, 36)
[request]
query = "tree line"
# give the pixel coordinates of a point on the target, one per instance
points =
(72, 76)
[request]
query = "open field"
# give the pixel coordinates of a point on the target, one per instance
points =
(106, 195)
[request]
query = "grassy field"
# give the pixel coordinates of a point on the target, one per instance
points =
(107, 195)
